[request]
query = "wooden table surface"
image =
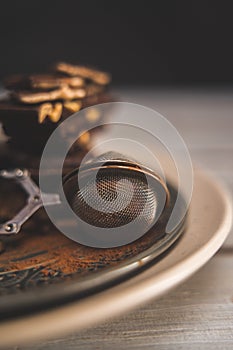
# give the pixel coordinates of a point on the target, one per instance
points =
(199, 313)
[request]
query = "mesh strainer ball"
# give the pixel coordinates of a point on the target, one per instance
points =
(116, 191)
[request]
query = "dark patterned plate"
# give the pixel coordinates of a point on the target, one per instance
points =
(40, 267)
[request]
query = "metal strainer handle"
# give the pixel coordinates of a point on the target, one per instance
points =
(142, 204)
(34, 200)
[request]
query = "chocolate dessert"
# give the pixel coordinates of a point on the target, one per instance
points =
(36, 104)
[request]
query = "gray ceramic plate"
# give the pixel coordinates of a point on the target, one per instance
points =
(209, 222)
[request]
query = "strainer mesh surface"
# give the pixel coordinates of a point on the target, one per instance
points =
(114, 198)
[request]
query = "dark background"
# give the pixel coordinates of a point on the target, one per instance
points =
(146, 42)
